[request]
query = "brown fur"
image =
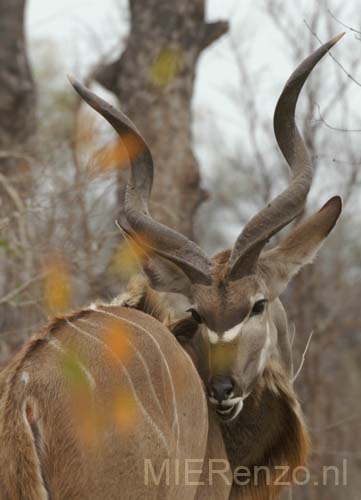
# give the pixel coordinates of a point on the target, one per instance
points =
(18, 426)
(23, 478)
(40, 448)
(272, 418)
(142, 297)
(270, 430)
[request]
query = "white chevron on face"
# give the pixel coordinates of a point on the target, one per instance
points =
(228, 336)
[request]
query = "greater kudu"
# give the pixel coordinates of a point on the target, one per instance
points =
(243, 358)
(50, 451)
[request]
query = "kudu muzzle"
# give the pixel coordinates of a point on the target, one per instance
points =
(221, 394)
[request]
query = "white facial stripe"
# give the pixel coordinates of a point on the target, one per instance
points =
(227, 336)
(235, 331)
(264, 352)
(232, 333)
(212, 336)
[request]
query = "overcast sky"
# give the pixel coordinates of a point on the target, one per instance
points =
(83, 30)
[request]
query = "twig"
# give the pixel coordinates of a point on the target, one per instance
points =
(334, 425)
(12, 193)
(21, 288)
(343, 24)
(337, 129)
(332, 56)
(20, 208)
(337, 453)
(303, 357)
(337, 160)
(16, 154)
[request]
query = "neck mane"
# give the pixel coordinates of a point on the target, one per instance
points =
(269, 436)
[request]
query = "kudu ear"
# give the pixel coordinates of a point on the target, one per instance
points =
(164, 276)
(299, 248)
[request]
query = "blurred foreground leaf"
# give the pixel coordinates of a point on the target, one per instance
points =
(129, 256)
(125, 411)
(57, 286)
(118, 339)
(118, 153)
(166, 66)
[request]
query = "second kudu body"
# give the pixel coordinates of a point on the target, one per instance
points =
(47, 453)
(240, 349)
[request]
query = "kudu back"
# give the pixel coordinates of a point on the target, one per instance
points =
(48, 450)
(236, 336)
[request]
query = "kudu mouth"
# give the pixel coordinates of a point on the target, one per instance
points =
(225, 398)
(227, 410)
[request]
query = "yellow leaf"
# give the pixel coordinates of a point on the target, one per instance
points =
(117, 154)
(128, 256)
(166, 66)
(118, 338)
(57, 286)
(125, 411)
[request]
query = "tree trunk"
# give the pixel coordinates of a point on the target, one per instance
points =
(17, 120)
(17, 94)
(153, 80)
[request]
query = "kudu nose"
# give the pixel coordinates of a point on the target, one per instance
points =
(221, 388)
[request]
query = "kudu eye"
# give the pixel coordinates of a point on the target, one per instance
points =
(258, 307)
(195, 315)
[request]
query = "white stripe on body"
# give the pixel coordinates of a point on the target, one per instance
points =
(136, 325)
(147, 417)
(55, 343)
(141, 359)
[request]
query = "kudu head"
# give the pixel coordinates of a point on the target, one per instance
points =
(232, 293)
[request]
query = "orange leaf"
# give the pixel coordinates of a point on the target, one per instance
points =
(129, 255)
(118, 338)
(125, 411)
(166, 66)
(57, 286)
(117, 154)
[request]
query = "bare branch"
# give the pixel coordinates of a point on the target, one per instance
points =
(332, 56)
(334, 425)
(303, 358)
(9, 296)
(213, 31)
(20, 209)
(15, 154)
(358, 32)
(337, 129)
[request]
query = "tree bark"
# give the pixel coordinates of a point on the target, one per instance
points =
(17, 94)
(17, 124)
(153, 80)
